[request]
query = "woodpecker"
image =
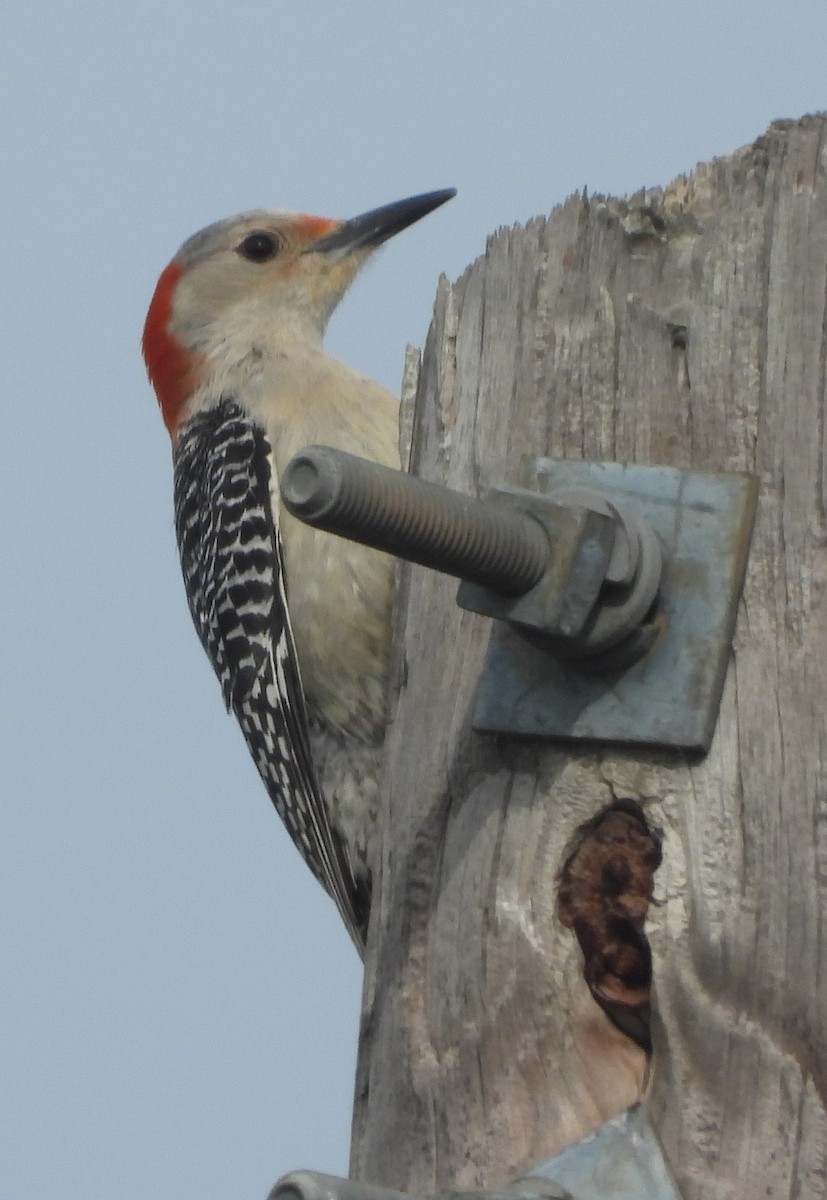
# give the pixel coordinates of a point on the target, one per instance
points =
(296, 623)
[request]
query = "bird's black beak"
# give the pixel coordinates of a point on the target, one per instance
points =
(374, 227)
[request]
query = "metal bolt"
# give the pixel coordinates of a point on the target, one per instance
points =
(477, 540)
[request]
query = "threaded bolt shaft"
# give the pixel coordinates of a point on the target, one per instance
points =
(477, 540)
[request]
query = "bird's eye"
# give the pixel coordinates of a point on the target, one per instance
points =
(260, 247)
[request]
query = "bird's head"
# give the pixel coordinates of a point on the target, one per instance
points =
(249, 280)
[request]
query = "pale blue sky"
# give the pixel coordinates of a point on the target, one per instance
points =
(179, 1003)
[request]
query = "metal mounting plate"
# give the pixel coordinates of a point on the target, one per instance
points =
(622, 1160)
(671, 696)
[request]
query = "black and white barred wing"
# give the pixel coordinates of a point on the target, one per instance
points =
(232, 561)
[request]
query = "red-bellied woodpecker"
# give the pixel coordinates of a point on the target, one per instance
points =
(295, 622)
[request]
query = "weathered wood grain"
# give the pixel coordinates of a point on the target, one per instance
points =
(684, 327)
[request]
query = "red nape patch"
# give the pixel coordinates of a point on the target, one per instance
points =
(172, 370)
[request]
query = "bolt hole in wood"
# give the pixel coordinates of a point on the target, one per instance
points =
(604, 893)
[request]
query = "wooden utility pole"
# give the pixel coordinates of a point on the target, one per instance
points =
(685, 327)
